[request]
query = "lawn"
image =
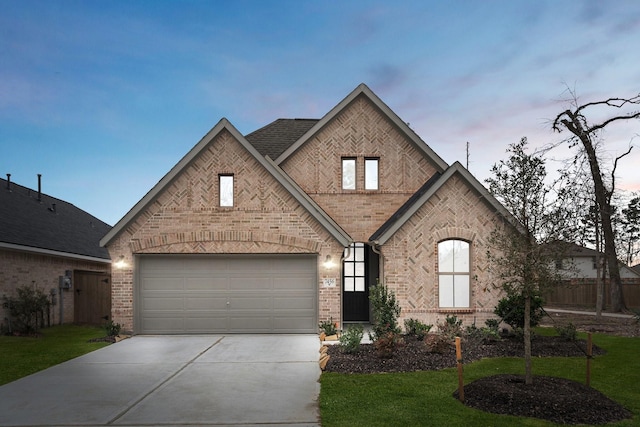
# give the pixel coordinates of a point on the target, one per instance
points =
(22, 356)
(425, 398)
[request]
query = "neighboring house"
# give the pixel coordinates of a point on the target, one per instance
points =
(581, 263)
(54, 246)
(636, 268)
(292, 224)
(580, 287)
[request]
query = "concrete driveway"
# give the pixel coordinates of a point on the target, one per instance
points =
(175, 380)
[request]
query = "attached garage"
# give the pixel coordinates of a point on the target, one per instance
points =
(202, 294)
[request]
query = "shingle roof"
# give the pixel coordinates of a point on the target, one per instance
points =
(405, 207)
(48, 223)
(274, 138)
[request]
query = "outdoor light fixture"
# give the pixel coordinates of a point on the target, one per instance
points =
(120, 263)
(328, 262)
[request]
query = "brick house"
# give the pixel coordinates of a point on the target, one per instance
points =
(44, 239)
(293, 223)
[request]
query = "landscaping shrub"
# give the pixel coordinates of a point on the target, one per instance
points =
(351, 338)
(25, 309)
(112, 329)
(328, 327)
(386, 311)
(511, 310)
(437, 343)
(567, 332)
(415, 328)
(451, 328)
(386, 344)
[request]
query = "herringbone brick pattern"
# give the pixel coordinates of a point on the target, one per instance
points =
(455, 211)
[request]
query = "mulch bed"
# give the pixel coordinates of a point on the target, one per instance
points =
(553, 399)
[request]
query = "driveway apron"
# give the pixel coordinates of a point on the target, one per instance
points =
(175, 380)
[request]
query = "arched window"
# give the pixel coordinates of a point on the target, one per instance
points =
(453, 274)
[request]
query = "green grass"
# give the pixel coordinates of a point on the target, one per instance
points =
(22, 356)
(425, 398)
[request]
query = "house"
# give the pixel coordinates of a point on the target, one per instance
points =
(290, 225)
(580, 265)
(54, 246)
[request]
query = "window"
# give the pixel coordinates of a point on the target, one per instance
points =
(226, 190)
(349, 174)
(354, 269)
(453, 273)
(371, 174)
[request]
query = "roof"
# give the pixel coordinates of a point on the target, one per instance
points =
(273, 139)
(41, 223)
(363, 90)
(636, 268)
(422, 196)
(224, 125)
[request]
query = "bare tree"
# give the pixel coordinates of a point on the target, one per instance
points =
(586, 135)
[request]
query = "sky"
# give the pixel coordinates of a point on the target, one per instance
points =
(103, 98)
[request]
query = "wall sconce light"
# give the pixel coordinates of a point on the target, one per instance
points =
(120, 263)
(328, 262)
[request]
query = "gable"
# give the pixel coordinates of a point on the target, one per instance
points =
(465, 181)
(191, 189)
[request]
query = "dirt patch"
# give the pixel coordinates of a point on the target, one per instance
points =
(619, 326)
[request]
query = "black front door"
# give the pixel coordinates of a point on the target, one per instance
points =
(359, 272)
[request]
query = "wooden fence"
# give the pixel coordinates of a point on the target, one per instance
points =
(582, 294)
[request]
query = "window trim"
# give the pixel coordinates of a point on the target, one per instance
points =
(453, 274)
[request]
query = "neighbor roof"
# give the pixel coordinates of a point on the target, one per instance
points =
(44, 224)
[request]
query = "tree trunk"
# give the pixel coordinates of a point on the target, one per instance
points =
(527, 339)
(603, 202)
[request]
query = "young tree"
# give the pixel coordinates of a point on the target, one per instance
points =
(586, 136)
(523, 254)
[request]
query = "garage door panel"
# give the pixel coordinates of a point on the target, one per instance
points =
(155, 283)
(237, 303)
(163, 303)
(287, 302)
(292, 283)
(207, 284)
(227, 294)
(206, 303)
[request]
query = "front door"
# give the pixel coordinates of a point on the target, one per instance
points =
(360, 272)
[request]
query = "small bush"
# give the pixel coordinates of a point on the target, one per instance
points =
(451, 328)
(386, 345)
(25, 309)
(386, 311)
(437, 343)
(636, 316)
(415, 328)
(328, 327)
(567, 332)
(350, 339)
(113, 329)
(511, 310)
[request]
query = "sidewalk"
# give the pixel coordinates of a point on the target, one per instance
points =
(588, 313)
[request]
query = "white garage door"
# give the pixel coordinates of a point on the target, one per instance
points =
(192, 294)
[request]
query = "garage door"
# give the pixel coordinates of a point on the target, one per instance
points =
(226, 294)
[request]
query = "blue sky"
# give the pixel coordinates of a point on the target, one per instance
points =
(104, 97)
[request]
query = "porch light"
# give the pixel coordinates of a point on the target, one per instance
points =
(328, 262)
(120, 263)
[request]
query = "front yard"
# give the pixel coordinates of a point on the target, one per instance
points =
(22, 356)
(426, 397)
